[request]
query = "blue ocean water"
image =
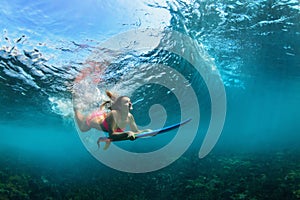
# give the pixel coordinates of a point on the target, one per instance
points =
(255, 46)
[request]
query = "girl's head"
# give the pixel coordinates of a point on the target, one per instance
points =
(121, 103)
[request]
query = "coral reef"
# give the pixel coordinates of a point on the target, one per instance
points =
(218, 176)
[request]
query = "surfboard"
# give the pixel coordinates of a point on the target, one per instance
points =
(162, 130)
(107, 140)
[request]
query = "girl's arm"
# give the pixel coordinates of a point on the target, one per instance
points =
(133, 126)
(112, 127)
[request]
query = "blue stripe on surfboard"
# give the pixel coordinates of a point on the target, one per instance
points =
(162, 130)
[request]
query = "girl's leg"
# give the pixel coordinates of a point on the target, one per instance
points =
(81, 121)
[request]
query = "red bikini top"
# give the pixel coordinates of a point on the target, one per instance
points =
(105, 125)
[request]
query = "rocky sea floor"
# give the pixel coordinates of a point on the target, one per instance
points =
(253, 176)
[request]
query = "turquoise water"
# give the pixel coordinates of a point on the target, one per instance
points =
(255, 46)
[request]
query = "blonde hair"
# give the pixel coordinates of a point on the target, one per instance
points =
(111, 95)
(115, 100)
